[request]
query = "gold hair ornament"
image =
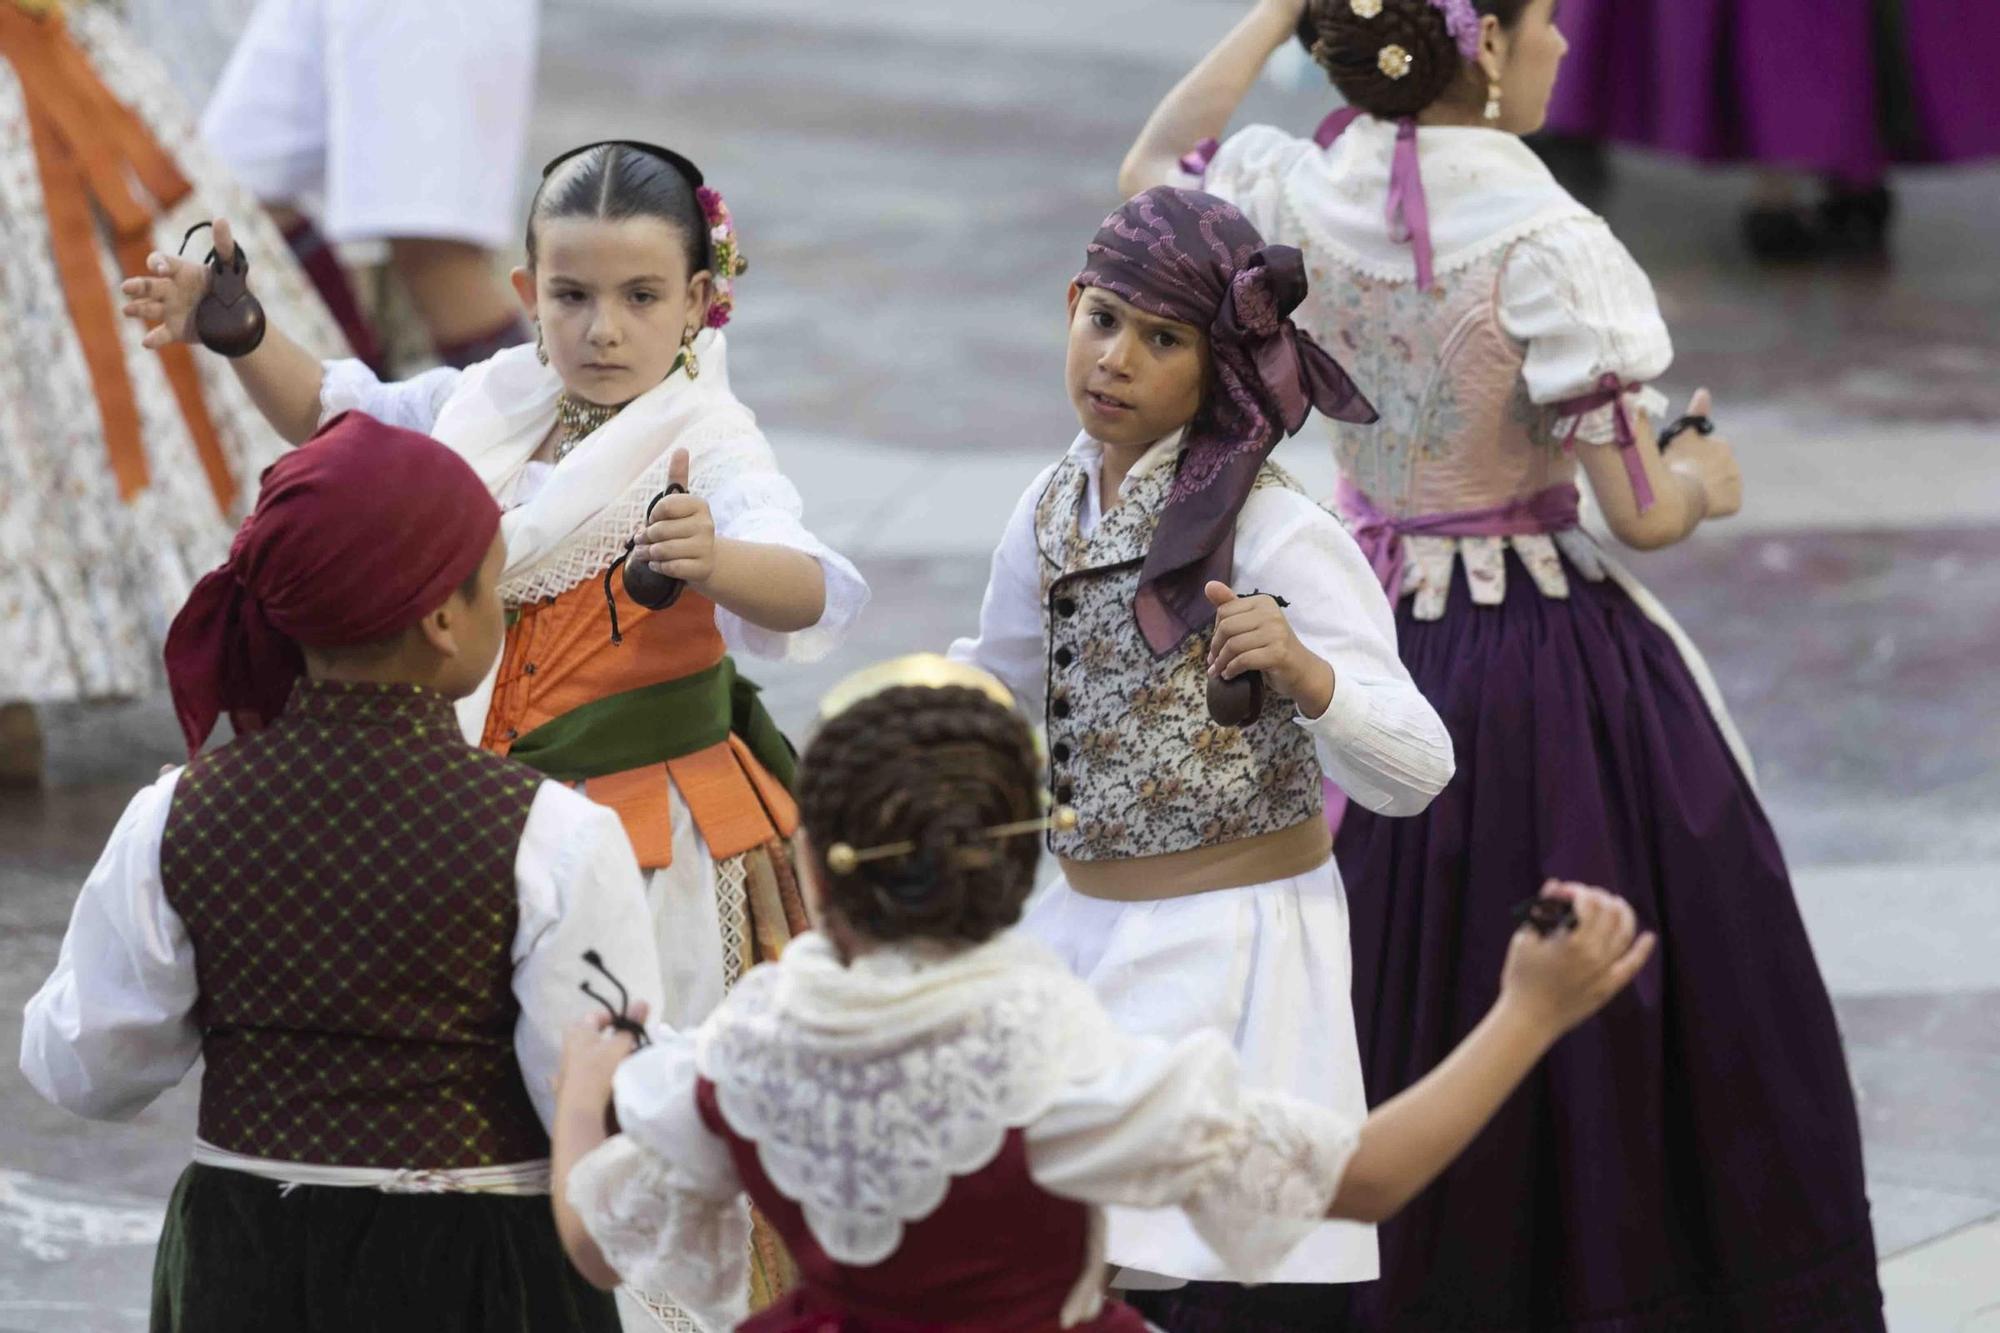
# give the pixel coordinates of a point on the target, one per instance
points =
(1365, 9)
(929, 670)
(842, 859)
(1394, 61)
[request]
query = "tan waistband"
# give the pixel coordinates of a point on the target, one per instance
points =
(1298, 850)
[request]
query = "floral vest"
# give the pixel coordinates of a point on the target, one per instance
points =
(1131, 744)
(347, 879)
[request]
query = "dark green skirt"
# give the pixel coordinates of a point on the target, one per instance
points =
(237, 1256)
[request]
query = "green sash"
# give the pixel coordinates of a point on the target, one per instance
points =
(656, 723)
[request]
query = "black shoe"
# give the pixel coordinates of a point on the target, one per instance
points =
(1856, 222)
(1782, 235)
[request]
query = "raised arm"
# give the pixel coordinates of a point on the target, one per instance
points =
(281, 377)
(1200, 105)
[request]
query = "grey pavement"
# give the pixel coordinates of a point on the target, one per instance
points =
(914, 184)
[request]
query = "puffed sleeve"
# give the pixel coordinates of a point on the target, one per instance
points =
(113, 1027)
(1249, 170)
(1587, 312)
(1173, 1126)
(413, 404)
(751, 500)
(662, 1199)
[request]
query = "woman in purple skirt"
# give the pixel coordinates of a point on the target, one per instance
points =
(1837, 90)
(1694, 1162)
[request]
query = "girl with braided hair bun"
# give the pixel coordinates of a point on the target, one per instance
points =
(933, 1111)
(1507, 341)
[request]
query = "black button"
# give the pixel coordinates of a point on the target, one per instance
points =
(1061, 708)
(1065, 607)
(528, 670)
(1065, 793)
(1064, 657)
(1061, 752)
(513, 735)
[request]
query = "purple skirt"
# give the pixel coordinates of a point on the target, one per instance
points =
(1691, 1159)
(1836, 87)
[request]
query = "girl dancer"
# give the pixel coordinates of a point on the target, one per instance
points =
(1694, 1161)
(631, 261)
(1199, 894)
(934, 1110)
(121, 473)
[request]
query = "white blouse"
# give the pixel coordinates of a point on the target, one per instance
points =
(1379, 739)
(838, 1073)
(114, 1026)
(750, 499)
(1569, 289)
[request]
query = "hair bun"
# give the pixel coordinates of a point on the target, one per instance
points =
(1352, 40)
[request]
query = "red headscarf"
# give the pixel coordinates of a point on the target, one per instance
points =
(358, 534)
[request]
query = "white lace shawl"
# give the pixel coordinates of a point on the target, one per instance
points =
(869, 1088)
(1484, 190)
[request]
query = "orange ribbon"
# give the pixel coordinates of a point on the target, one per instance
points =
(90, 148)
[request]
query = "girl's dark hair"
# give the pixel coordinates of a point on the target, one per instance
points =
(624, 180)
(935, 767)
(1349, 48)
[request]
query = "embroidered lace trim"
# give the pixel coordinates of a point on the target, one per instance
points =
(662, 1237)
(867, 1144)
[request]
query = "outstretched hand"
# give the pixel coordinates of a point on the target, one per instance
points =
(1559, 980)
(164, 300)
(1710, 460)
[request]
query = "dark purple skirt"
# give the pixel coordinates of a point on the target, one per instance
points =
(1691, 1159)
(1839, 87)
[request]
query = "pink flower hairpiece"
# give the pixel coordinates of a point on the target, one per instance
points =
(729, 261)
(1461, 20)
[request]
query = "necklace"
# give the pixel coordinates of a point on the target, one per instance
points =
(577, 419)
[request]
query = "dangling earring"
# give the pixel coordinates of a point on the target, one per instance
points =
(689, 360)
(1493, 99)
(541, 348)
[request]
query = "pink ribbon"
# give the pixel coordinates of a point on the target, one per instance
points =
(1611, 393)
(1380, 535)
(1409, 210)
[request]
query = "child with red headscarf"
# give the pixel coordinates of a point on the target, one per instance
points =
(1162, 558)
(372, 933)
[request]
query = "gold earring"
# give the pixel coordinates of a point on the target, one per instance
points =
(541, 348)
(1493, 99)
(689, 360)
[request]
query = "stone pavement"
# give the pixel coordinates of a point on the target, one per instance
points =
(915, 183)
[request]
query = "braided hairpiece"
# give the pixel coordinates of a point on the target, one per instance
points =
(921, 797)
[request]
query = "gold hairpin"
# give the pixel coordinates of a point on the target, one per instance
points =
(842, 859)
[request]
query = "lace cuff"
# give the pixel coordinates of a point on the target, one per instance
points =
(413, 404)
(663, 1238)
(1276, 1165)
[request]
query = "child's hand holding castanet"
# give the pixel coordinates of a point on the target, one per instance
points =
(592, 1051)
(679, 539)
(1554, 982)
(1252, 634)
(165, 299)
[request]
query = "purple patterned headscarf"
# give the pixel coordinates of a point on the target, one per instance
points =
(1193, 258)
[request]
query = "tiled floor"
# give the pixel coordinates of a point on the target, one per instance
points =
(914, 184)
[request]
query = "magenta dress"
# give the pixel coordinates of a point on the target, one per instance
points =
(1842, 88)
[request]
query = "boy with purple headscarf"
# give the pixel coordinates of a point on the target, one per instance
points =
(1163, 550)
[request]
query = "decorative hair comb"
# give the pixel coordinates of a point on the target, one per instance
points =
(842, 859)
(621, 1018)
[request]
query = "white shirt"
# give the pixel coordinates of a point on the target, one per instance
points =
(113, 1027)
(1379, 738)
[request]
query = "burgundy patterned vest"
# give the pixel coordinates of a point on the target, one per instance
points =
(347, 879)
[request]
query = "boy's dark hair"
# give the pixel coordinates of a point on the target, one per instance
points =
(1349, 48)
(934, 767)
(625, 180)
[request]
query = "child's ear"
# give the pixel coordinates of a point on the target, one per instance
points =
(440, 630)
(701, 295)
(524, 289)
(1075, 295)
